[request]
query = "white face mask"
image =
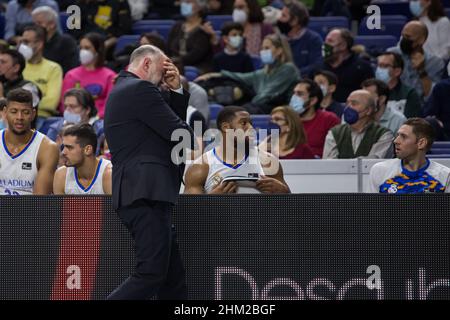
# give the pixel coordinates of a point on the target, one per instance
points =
(26, 51)
(235, 41)
(86, 56)
(239, 16)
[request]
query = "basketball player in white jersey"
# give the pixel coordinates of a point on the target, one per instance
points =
(28, 158)
(207, 173)
(82, 172)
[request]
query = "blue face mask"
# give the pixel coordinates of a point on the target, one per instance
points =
(72, 117)
(415, 8)
(266, 56)
(351, 116)
(186, 9)
(297, 103)
(382, 74)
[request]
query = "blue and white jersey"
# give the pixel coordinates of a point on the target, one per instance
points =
(250, 166)
(392, 177)
(18, 172)
(73, 185)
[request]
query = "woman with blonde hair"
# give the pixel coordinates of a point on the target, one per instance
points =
(292, 138)
(270, 84)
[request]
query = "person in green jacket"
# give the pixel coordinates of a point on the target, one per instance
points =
(273, 83)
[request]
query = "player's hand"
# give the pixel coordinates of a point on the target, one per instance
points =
(224, 187)
(171, 76)
(270, 185)
(207, 76)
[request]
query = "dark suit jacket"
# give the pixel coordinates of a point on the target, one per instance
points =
(138, 127)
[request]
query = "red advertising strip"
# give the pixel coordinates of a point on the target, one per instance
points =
(79, 248)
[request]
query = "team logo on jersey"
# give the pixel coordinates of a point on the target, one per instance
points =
(26, 166)
(392, 189)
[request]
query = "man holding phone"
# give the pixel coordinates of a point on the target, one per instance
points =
(145, 182)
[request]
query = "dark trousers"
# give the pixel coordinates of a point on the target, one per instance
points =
(159, 269)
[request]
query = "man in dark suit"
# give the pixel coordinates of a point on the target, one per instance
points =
(146, 182)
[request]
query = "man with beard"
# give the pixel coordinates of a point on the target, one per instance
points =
(28, 159)
(305, 44)
(236, 159)
(146, 179)
(346, 65)
(422, 70)
(82, 172)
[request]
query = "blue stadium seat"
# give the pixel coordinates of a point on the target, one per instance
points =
(441, 144)
(323, 25)
(389, 7)
(439, 156)
(214, 109)
(376, 44)
(257, 63)
(390, 25)
(47, 123)
(63, 21)
(191, 73)
(125, 40)
(162, 27)
(447, 11)
(218, 20)
(261, 121)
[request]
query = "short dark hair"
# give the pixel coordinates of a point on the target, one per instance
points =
(255, 12)
(155, 39)
(398, 60)
(16, 57)
(314, 91)
(435, 10)
(41, 33)
(330, 76)
(84, 98)
(229, 26)
(422, 129)
(298, 10)
(227, 114)
(20, 95)
(381, 87)
(98, 42)
(84, 133)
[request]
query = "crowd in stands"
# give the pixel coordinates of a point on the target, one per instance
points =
(329, 97)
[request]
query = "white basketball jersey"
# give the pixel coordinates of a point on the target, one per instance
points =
(218, 170)
(73, 186)
(18, 172)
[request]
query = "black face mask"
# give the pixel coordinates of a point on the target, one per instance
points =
(3, 78)
(284, 27)
(406, 46)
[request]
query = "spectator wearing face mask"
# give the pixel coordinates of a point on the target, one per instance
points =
(422, 69)
(79, 108)
(327, 81)
(306, 45)
(232, 58)
(249, 14)
(92, 75)
(432, 14)
(344, 63)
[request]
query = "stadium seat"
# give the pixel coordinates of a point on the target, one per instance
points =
(441, 144)
(447, 11)
(390, 25)
(438, 156)
(323, 25)
(257, 63)
(191, 73)
(218, 20)
(162, 27)
(63, 21)
(125, 40)
(261, 121)
(214, 109)
(47, 123)
(376, 44)
(388, 7)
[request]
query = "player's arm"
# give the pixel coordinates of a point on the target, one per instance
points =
(195, 178)
(107, 180)
(48, 156)
(59, 181)
(273, 181)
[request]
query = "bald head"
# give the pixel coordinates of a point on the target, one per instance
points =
(143, 51)
(362, 98)
(415, 31)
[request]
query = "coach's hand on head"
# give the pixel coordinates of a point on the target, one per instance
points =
(224, 187)
(171, 76)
